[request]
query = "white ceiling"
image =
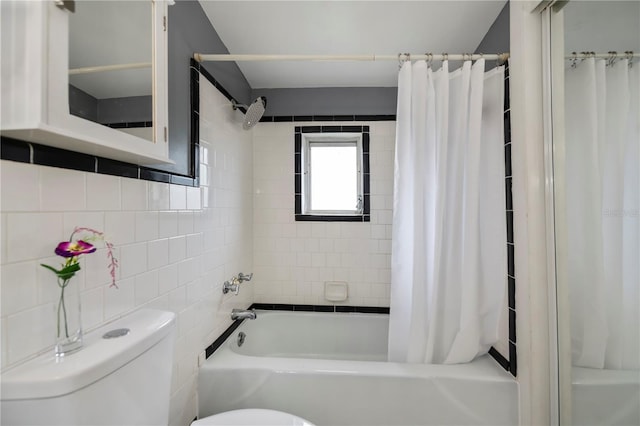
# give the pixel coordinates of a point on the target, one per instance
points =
(345, 28)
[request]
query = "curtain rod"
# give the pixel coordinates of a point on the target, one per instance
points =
(609, 55)
(200, 57)
(101, 68)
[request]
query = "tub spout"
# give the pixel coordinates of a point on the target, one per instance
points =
(240, 314)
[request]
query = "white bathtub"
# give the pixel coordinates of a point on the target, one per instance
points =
(331, 369)
(605, 397)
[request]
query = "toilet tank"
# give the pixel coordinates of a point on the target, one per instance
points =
(122, 380)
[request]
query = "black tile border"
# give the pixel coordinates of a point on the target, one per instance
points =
(209, 350)
(499, 358)
(311, 118)
(298, 178)
(129, 124)
(33, 153)
(15, 150)
(43, 155)
(320, 308)
(510, 364)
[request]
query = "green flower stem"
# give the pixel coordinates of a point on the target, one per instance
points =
(61, 305)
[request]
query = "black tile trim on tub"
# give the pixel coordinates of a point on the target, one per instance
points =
(220, 340)
(320, 308)
(209, 350)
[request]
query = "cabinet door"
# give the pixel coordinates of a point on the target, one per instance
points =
(38, 97)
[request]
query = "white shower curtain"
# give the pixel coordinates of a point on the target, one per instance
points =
(602, 192)
(448, 262)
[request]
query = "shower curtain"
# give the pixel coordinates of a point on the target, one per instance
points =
(603, 188)
(448, 261)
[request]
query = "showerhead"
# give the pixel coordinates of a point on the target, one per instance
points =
(254, 112)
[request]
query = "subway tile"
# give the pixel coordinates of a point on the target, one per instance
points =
(147, 226)
(15, 150)
(512, 325)
(133, 259)
(103, 192)
(119, 300)
(194, 199)
(167, 224)
(158, 196)
(146, 287)
(19, 187)
(185, 222)
(96, 268)
(513, 359)
(32, 235)
(117, 168)
(167, 278)
(177, 197)
(120, 227)
(158, 253)
(18, 286)
(62, 190)
(92, 302)
(134, 194)
(177, 249)
(511, 292)
(29, 331)
(63, 159)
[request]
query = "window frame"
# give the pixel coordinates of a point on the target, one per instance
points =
(330, 140)
(308, 135)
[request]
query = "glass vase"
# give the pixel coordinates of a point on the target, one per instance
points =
(67, 315)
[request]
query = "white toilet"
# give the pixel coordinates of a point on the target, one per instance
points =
(124, 379)
(252, 417)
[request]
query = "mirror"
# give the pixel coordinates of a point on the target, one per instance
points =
(110, 64)
(596, 184)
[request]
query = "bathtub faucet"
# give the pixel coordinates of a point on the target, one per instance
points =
(240, 314)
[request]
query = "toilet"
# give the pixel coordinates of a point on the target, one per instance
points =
(121, 376)
(252, 417)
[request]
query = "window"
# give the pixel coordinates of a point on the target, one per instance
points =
(332, 173)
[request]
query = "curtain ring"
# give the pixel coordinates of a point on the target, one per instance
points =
(445, 56)
(629, 55)
(429, 59)
(612, 58)
(401, 60)
(574, 60)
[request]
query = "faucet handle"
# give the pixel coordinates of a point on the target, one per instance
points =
(243, 277)
(231, 286)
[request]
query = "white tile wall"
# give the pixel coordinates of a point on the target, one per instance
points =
(176, 246)
(293, 259)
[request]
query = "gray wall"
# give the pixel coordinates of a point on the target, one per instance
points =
(496, 40)
(189, 32)
(82, 104)
(329, 101)
(125, 110)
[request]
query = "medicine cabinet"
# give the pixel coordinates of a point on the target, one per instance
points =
(71, 71)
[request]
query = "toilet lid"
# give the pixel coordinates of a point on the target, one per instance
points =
(253, 417)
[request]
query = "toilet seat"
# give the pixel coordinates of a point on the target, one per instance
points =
(252, 417)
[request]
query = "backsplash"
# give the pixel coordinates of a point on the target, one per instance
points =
(294, 259)
(176, 246)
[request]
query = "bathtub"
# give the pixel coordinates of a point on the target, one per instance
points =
(605, 397)
(331, 369)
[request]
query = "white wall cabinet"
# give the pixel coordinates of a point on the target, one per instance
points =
(35, 83)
